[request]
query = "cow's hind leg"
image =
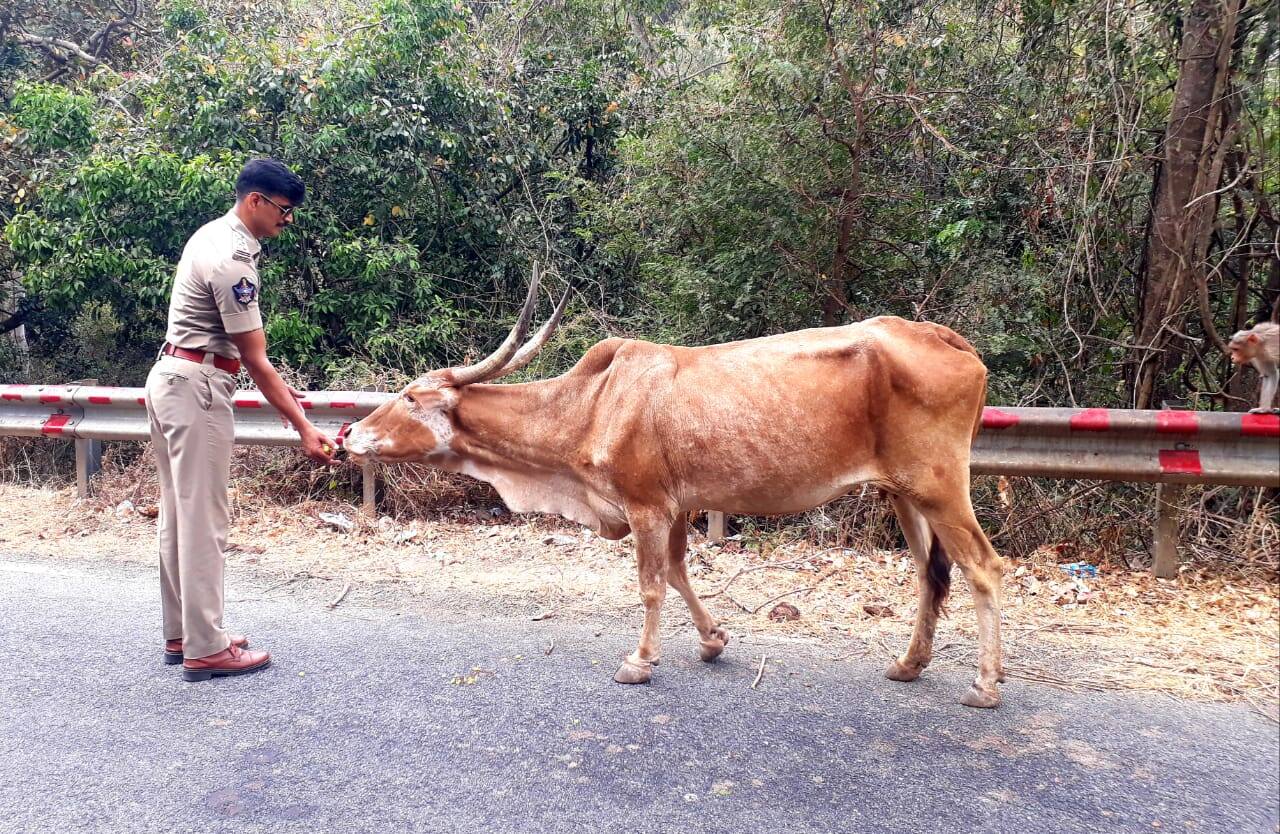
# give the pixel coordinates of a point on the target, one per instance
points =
(713, 638)
(957, 528)
(652, 532)
(933, 567)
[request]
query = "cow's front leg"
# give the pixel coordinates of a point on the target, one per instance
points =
(651, 531)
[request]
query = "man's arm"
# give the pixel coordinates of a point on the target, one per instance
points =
(253, 353)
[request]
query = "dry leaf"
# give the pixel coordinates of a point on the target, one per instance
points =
(784, 611)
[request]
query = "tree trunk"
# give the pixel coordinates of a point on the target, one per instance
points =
(834, 299)
(1181, 223)
(1273, 292)
(643, 41)
(1239, 299)
(13, 330)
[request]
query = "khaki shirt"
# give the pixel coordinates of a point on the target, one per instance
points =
(215, 290)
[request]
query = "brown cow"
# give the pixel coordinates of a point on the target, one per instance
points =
(636, 434)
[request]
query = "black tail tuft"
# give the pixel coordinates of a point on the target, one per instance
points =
(939, 576)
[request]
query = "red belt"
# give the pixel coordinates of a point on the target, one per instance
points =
(222, 363)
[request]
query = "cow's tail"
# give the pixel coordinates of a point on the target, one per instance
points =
(938, 576)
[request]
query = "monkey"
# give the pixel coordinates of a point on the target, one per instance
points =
(1259, 347)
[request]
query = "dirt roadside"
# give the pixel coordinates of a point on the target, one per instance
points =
(1202, 636)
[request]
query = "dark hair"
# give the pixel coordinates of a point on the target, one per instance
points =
(271, 177)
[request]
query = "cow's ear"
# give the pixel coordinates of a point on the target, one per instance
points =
(430, 396)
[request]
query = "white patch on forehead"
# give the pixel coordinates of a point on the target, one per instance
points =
(442, 428)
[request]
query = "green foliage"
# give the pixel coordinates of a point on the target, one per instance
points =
(106, 234)
(920, 161)
(180, 16)
(53, 117)
(705, 171)
(426, 182)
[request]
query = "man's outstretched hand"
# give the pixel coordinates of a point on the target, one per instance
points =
(318, 447)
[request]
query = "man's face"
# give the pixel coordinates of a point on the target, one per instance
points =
(270, 214)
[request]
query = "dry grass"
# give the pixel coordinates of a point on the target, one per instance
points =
(260, 476)
(36, 462)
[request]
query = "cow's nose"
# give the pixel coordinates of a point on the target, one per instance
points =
(358, 443)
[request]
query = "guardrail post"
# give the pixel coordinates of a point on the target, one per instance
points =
(88, 462)
(369, 484)
(1164, 547)
(88, 455)
(715, 526)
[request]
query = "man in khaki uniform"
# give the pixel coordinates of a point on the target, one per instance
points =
(214, 326)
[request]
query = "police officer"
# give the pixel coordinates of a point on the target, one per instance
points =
(214, 327)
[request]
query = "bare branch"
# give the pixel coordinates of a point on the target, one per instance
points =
(56, 45)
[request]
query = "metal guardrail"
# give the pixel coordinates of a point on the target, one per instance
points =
(101, 413)
(90, 414)
(1170, 448)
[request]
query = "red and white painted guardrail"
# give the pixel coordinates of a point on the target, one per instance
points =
(1106, 444)
(1171, 448)
(1175, 447)
(102, 413)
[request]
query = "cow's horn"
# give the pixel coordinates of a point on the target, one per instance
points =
(532, 347)
(494, 362)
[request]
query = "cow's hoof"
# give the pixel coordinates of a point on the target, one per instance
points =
(632, 672)
(714, 645)
(981, 698)
(899, 671)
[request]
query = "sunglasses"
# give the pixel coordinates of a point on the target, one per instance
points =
(284, 211)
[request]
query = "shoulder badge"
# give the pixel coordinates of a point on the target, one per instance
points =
(246, 292)
(243, 256)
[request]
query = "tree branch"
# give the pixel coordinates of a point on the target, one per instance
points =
(54, 45)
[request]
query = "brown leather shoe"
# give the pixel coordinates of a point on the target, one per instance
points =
(232, 660)
(173, 648)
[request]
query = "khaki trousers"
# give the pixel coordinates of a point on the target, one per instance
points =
(189, 408)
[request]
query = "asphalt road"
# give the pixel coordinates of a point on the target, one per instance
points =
(415, 714)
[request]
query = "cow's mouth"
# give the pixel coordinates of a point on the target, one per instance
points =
(358, 446)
